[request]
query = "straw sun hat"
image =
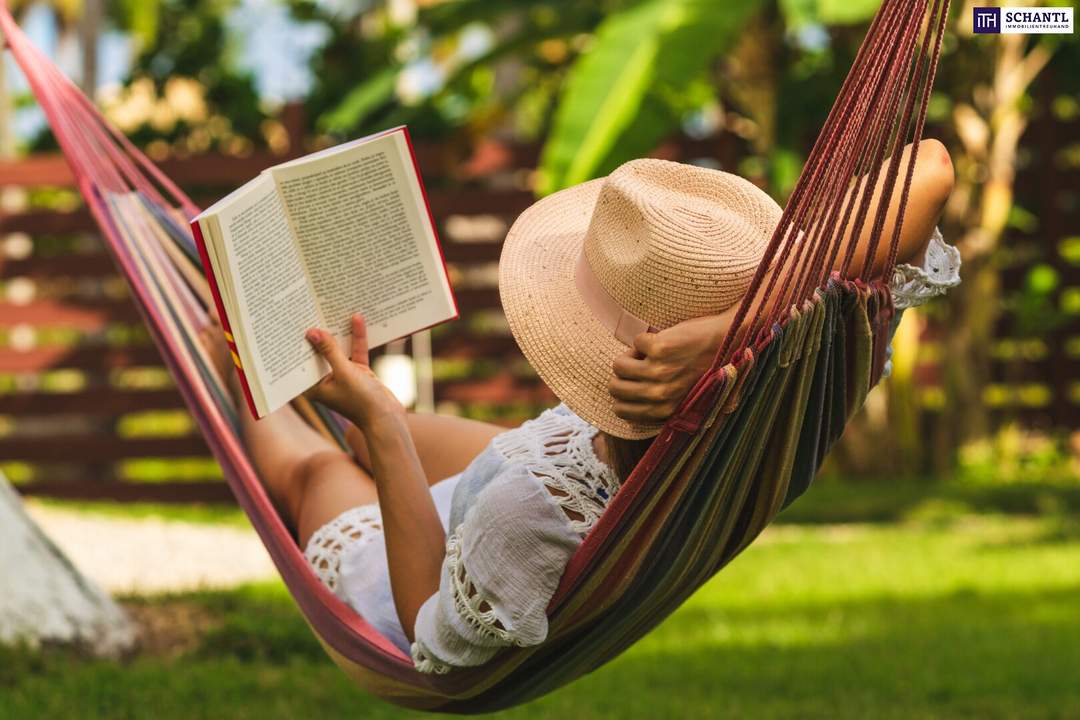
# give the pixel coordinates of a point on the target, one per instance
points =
(583, 271)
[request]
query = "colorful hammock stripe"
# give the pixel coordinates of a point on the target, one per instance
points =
(747, 440)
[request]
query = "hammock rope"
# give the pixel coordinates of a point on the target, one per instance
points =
(745, 442)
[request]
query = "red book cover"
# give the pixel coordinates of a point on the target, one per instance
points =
(209, 271)
(431, 221)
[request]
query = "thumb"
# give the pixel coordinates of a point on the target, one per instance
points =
(325, 345)
(359, 351)
(645, 343)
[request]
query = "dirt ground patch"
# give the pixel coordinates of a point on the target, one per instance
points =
(170, 628)
(152, 555)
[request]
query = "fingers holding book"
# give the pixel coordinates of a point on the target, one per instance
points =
(352, 388)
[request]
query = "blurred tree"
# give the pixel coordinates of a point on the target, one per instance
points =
(988, 79)
(600, 83)
(452, 69)
(185, 92)
(46, 599)
(981, 109)
(184, 44)
(81, 16)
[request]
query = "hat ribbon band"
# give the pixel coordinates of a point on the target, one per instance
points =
(625, 326)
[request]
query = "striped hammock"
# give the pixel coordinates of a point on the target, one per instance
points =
(746, 441)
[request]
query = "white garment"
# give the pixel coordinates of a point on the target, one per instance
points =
(514, 517)
(913, 285)
(517, 513)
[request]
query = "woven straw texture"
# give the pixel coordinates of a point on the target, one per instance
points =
(668, 241)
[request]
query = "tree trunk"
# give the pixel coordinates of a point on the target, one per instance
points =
(990, 118)
(44, 599)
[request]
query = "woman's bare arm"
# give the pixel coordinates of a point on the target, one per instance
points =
(415, 542)
(651, 379)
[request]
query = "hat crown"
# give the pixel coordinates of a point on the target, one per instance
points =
(670, 241)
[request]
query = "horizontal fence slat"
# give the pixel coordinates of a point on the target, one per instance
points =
(469, 346)
(76, 265)
(436, 160)
(93, 313)
(48, 222)
(79, 356)
(108, 489)
(494, 202)
(87, 316)
(473, 299)
(471, 252)
(100, 264)
(494, 390)
(98, 448)
(96, 401)
(443, 202)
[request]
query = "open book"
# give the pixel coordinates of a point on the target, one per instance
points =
(312, 241)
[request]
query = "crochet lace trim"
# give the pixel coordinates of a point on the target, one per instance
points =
(913, 285)
(426, 664)
(469, 603)
(557, 448)
(358, 525)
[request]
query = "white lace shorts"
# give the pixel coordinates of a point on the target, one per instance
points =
(348, 555)
(355, 527)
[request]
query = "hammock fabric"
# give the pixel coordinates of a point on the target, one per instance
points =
(747, 440)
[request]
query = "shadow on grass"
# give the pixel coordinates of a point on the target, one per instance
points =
(842, 502)
(962, 655)
(967, 654)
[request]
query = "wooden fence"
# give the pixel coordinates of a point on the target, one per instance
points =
(87, 410)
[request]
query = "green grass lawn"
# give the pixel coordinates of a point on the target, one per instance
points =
(946, 616)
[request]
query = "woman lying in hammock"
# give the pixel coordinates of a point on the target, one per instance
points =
(449, 536)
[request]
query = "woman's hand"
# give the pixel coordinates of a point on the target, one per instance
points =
(352, 388)
(653, 377)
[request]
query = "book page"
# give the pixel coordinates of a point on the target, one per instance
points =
(362, 226)
(275, 305)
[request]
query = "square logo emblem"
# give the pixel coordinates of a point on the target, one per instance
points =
(986, 20)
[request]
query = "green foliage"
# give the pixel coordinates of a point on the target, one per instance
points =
(1048, 495)
(623, 96)
(359, 103)
(832, 12)
(188, 39)
(200, 513)
(1033, 305)
(360, 70)
(142, 19)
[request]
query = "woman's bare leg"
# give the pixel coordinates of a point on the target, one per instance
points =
(310, 480)
(931, 184)
(446, 444)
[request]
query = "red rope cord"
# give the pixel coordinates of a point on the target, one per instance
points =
(784, 233)
(794, 215)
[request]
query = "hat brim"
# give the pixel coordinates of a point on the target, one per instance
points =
(569, 348)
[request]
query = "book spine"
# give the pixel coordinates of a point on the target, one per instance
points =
(204, 256)
(431, 222)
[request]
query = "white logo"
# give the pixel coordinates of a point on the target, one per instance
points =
(1033, 21)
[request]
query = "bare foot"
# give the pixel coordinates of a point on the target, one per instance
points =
(212, 338)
